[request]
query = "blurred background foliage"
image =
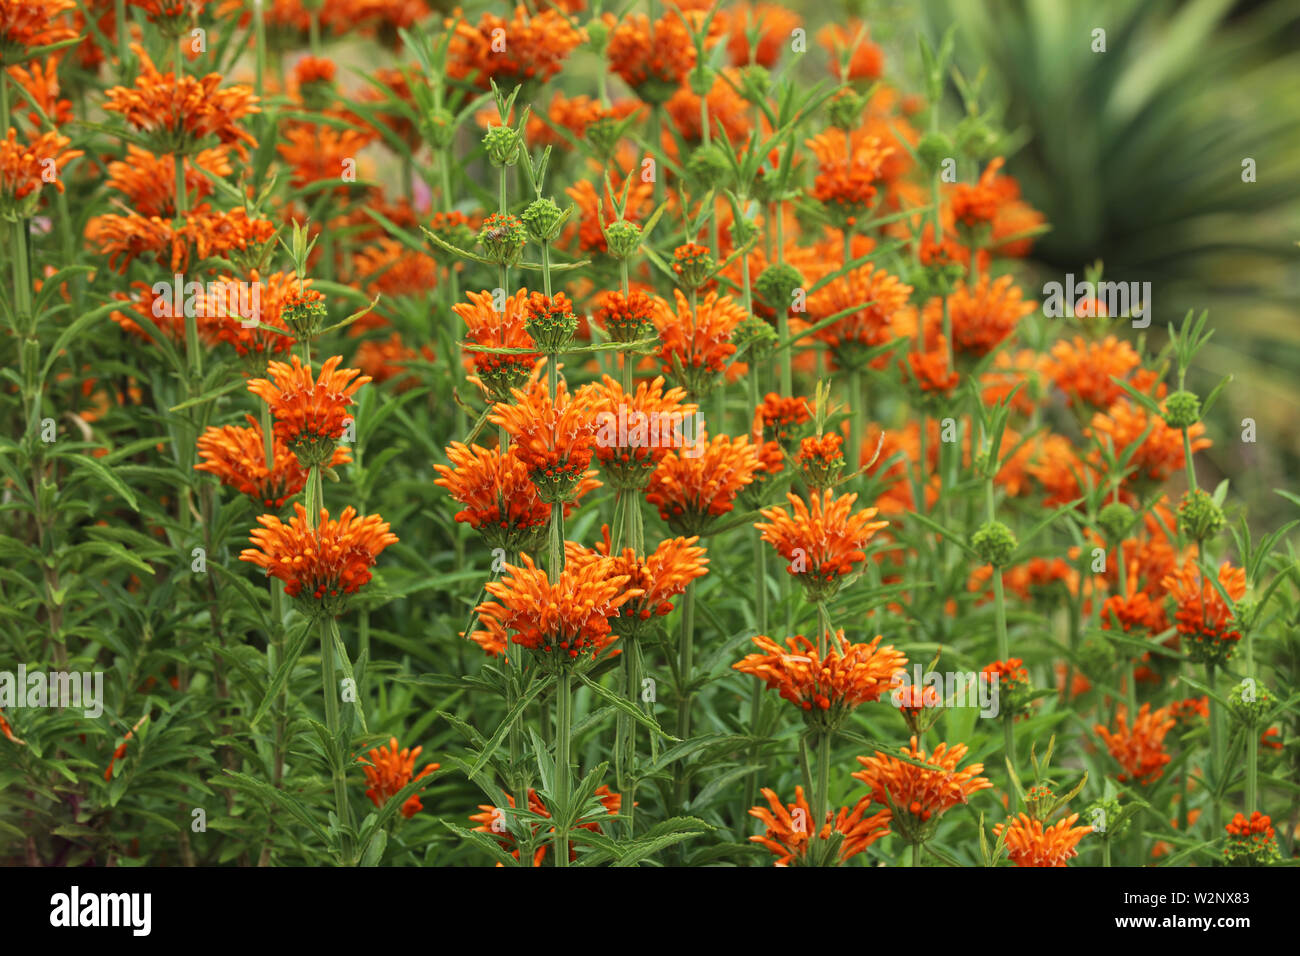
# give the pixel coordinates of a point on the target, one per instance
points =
(1135, 155)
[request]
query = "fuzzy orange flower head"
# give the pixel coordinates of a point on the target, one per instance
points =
(983, 316)
(1206, 623)
(823, 540)
(695, 345)
(554, 439)
(694, 486)
(561, 621)
(918, 795)
(788, 831)
(1139, 749)
(826, 688)
(975, 205)
(626, 318)
(237, 456)
(1014, 690)
(634, 432)
(661, 575)
(389, 770)
(781, 414)
(846, 174)
(1029, 843)
(324, 564)
(310, 414)
(496, 821)
(25, 168)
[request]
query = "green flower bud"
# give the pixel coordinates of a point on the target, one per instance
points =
(994, 543)
(1249, 704)
(845, 109)
(1115, 520)
(502, 144)
(543, 219)
(974, 137)
(758, 336)
(622, 238)
(932, 150)
(1182, 410)
(1199, 517)
(776, 284)
(693, 264)
(755, 83)
(439, 128)
(1103, 823)
(708, 167)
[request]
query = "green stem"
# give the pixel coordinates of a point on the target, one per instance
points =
(563, 722)
(1216, 744)
(685, 663)
(329, 681)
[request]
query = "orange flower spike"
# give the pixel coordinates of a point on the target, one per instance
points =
(823, 540)
(985, 315)
(237, 456)
(24, 166)
(1029, 843)
(921, 795)
(310, 414)
(323, 564)
(32, 23)
(693, 486)
(828, 688)
(860, 327)
(696, 346)
(976, 204)
(634, 432)
(788, 828)
(1139, 749)
(562, 619)
(1206, 623)
(554, 439)
(389, 770)
(177, 113)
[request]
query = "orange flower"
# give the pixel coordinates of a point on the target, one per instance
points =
(9, 734)
(986, 315)
(847, 172)
(492, 820)
(389, 771)
(696, 345)
(692, 490)
(1083, 370)
(725, 107)
(1251, 842)
(41, 82)
(1201, 616)
(779, 413)
(554, 440)
(662, 574)
(149, 182)
(626, 318)
(920, 795)
(1161, 452)
(787, 834)
(863, 327)
(31, 23)
(387, 360)
(226, 319)
(25, 168)
(395, 270)
(561, 620)
(316, 152)
(1029, 843)
(528, 46)
(825, 688)
(177, 114)
(203, 233)
(930, 369)
(237, 456)
(325, 563)
(822, 540)
(634, 432)
(976, 204)
(1139, 749)
(651, 61)
(498, 373)
(310, 415)
(500, 501)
